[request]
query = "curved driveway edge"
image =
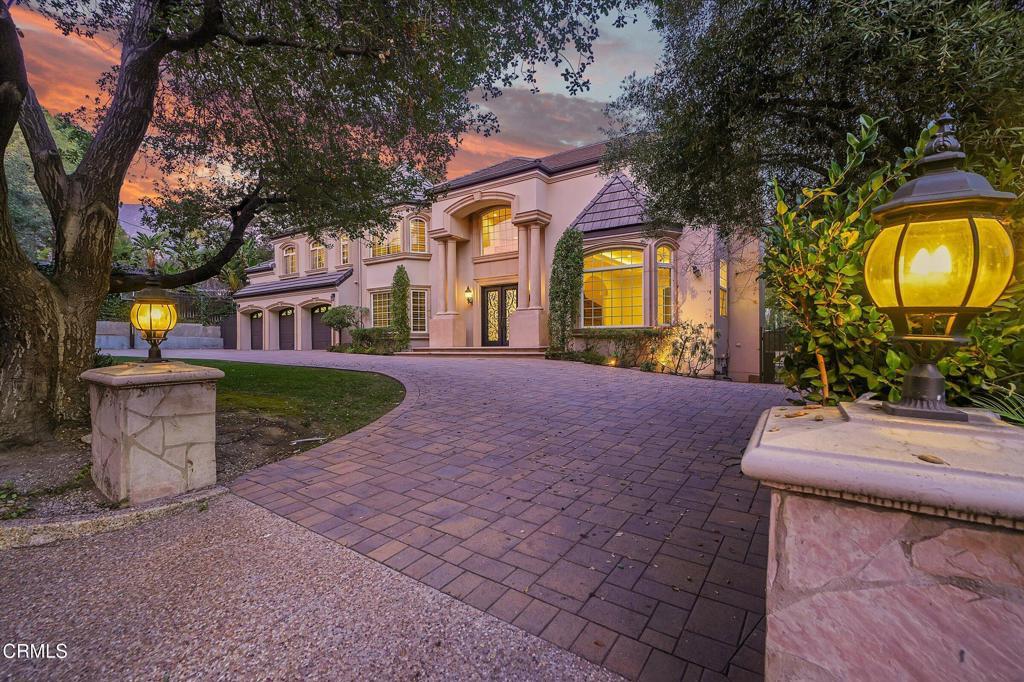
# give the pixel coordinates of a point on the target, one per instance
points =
(602, 509)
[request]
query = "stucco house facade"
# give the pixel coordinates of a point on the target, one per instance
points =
(479, 263)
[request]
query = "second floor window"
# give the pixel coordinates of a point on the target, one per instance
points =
(389, 245)
(289, 260)
(317, 257)
(418, 235)
(344, 251)
(723, 288)
(497, 233)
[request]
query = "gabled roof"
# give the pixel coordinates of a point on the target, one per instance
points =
(618, 204)
(551, 164)
(323, 281)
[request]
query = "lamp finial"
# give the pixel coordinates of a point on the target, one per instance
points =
(944, 140)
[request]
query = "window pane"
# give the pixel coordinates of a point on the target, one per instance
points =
(498, 234)
(723, 288)
(344, 251)
(418, 235)
(381, 308)
(291, 264)
(664, 255)
(613, 298)
(317, 257)
(614, 258)
(665, 307)
(389, 245)
(418, 318)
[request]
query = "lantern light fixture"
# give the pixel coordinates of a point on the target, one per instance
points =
(942, 258)
(468, 293)
(154, 315)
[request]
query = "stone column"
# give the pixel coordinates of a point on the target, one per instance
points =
(896, 546)
(153, 429)
(450, 270)
(523, 285)
(536, 265)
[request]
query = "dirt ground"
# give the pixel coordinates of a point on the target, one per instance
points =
(53, 478)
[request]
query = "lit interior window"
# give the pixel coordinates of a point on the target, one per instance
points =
(290, 260)
(418, 235)
(380, 307)
(613, 288)
(666, 309)
(723, 288)
(419, 311)
(498, 234)
(389, 245)
(317, 257)
(344, 251)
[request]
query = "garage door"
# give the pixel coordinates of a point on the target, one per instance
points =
(321, 332)
(286, 329)
(256, 330)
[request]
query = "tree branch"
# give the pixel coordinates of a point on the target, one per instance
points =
(242, 215)
(13, 88)
(47, 164)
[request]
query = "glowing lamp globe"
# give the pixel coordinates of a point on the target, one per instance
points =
(154, 315)
(943, 257)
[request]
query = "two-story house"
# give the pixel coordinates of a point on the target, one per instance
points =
(479, 260)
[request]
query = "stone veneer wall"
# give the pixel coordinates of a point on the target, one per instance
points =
(153, 441)
(858, 592)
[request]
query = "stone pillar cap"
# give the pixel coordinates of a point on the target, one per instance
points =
(972, 470)
(132, 374)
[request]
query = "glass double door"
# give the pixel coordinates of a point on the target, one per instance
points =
(498, 304)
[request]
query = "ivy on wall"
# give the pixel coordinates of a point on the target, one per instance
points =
(565, 289)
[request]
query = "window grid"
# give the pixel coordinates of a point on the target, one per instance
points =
(723, 288)
(666, 307)
(497, 233)
(419, 313)
(291, 261)
(344, 251)
(317, 257)
(418, 235)
(389, 245)
(613, 289)
(380, 306)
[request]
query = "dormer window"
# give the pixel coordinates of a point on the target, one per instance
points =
(289, 260)
(317, 257)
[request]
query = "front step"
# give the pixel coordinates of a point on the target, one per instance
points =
(477, 352)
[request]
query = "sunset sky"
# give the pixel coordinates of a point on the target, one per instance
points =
(64, 69)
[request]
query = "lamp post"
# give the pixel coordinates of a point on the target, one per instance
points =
(154, 315)
(943, 257)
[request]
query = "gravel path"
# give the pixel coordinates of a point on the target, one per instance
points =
(237, 592)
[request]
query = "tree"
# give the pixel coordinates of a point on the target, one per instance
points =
(343, 317)
(748, 90)
(400, 308)
(319, 114)
(565, 289)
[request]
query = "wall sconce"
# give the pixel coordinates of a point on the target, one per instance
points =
(469, 295)
(943, 257)
(154, 315)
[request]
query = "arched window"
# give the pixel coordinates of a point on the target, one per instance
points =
(497, 233)
(289, 260)
(317, 257)
(666, 307)
(418, 235)
(613, 288)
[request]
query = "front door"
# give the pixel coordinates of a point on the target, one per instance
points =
(499, 303)
(286, 330)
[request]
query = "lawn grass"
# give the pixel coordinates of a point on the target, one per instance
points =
(333, 400)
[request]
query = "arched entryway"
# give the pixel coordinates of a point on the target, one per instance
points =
(256, 330)
(286, 329)
(321, 333)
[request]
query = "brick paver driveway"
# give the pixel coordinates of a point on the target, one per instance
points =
(602, 509)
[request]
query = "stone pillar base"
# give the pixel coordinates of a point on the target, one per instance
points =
(528, 328)
(447, 330)
(153, 429)
(896, 546)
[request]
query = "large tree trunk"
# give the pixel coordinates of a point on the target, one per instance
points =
(47, 334)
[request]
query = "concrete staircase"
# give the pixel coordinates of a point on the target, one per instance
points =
(477, 352)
